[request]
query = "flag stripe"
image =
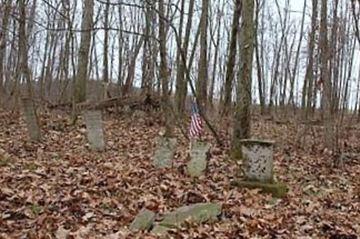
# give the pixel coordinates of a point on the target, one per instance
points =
(196, 126)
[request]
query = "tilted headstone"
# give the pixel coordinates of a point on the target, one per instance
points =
(257, 160)
(143, 221)
(94, 128)
(198, 158)
(196, 213)
(31, 119)
(164, 152)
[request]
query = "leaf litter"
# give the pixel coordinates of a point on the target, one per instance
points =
(59, 188)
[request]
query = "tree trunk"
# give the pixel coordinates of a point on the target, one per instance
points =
(202, 81)
(243, 96)
(324, 61)
(3, 38)
(83, 61)
(259, 63)
(232, 56)
(291, 100)
(164, 72)
(106, 49)
(307, 92)
(24, 74)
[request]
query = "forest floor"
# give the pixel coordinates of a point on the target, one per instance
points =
(59, 188)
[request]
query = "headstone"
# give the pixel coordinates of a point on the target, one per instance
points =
(165, 152)
(258, 167)
(196, 213)
(143, 221)
(94, 130)
(31, 119)
(198, 158)
(257, 160)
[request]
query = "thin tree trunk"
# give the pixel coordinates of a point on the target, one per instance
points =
(324, 58)
(164, 72)
(307, 92)
(258, 61)
(231, 59)
(291, 100)
(216, 56)
(106, 49)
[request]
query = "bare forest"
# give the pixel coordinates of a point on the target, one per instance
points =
(180, 119)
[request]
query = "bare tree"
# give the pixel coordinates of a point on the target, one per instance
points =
(324, 58)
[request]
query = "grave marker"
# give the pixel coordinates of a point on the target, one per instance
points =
(94, 129)
(165, 152)
(196, 213)
(258, 167)
(198, 158)
(143, 221)
(31, 119)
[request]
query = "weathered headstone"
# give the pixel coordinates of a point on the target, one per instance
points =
(94, 130)
(258, 167)
(143, 221)
(31, 119)
(165, 152)
(196, 213)
(198, 158)
(257, 160)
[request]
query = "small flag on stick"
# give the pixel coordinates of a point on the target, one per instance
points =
(196, 125)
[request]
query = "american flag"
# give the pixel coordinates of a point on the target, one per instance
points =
(196, 125)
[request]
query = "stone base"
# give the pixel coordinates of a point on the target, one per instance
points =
(277, 189)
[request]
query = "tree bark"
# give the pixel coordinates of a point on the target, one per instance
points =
(232, 56)
(243, 97)
(307, 92)
(202, 81)
(3, 38)
(106, 49)
(83, 62)
(24, 74)
(164, 72)
(324, 64)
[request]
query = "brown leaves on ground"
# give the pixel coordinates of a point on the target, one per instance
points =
(60, 189)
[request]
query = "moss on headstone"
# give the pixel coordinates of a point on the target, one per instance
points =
(94, 128)
(196, 213)
(143, 221)
(31, 119)
(165, 152)
(160, 230)
(198, 154)
(276, 189)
